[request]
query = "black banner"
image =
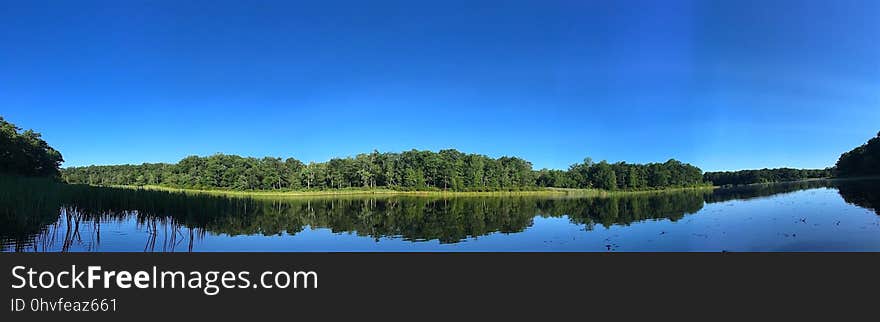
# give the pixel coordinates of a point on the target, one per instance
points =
(421, 285)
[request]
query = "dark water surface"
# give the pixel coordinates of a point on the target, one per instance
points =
(800, 216)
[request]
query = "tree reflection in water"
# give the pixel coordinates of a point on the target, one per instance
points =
(60, 216)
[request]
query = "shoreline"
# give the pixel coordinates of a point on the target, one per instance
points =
(561, 192)
(384, 192)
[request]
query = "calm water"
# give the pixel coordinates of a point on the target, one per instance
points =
(802, 216)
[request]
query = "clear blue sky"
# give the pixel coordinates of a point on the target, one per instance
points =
(721, 84)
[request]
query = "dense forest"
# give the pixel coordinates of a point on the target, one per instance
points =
(25, 153)
(410, 170)
(622, 176)
(861, 161)
(724, 178)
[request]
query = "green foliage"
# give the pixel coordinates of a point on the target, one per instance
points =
(448, 170)
(861, 161)
(605, 177)
(622, 176)
(724, 178)
(410, 170)
(25, 153)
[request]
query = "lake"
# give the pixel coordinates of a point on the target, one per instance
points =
(820, 215)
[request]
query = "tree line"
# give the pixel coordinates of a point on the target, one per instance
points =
(864, 160)
(725, 178)
(410, 170)
(422, 170)
(26, 153)
(622, 176)
(861, 161)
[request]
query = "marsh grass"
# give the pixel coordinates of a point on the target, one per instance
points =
(48, 213)
(538, 192)
(41, 211)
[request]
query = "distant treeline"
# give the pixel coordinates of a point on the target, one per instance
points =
(410, 170)
(723, 178)
(25, 153)
(861, 161)
(622, 176)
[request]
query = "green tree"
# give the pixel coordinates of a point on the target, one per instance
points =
(864, 160)
(26, 153)
(604, 175)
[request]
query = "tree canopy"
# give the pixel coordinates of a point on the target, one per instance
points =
(25, 153)
(622, 175)
(422, 170)
(410, 170)
(861, 161)
(723, 178)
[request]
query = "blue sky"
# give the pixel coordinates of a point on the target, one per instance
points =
(724, 85)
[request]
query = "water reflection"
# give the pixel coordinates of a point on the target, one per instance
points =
(862, 193)
(60, 217)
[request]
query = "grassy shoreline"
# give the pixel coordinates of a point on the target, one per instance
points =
(390, 192)
(384, 192)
